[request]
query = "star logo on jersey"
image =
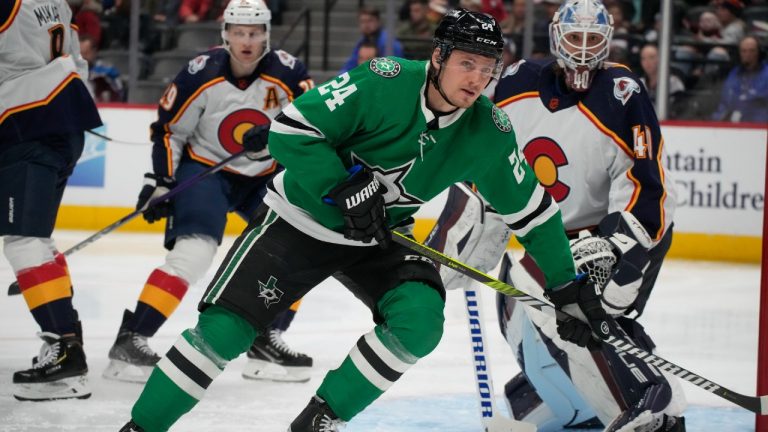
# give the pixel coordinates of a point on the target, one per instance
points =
(269, 292)
(385, 67)
(501, 119)
(623, 88)
(392, 180)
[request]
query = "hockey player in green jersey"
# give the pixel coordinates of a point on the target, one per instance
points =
(361, 154)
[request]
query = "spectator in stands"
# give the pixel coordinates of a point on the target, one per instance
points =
(649, 61)
(516, 21)
(744, 96)
(104, 83)
(437, 8)
(192, 11)
(416, 34)
(369, 24)
(366, 51)
(729, 14)
(541, 27)
(85, 15)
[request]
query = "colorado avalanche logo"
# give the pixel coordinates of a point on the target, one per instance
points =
(512, 69)
(197, 64)
(623, 88)
(235, 124)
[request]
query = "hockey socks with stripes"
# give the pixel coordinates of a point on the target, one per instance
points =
(412, 327)
(180, 379)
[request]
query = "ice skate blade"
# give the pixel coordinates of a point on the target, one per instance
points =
(118, 370)
(263, 370)
(67, 388)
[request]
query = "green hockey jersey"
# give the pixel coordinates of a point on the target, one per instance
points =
(376, 115)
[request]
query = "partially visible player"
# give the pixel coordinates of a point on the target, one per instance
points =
(362, 153)
(204, 116)
(590, 133)
(45, 108)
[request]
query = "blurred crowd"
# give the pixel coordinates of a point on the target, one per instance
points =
(718, 64)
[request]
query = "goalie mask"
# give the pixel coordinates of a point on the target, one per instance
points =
(580, 37)
(246, 12)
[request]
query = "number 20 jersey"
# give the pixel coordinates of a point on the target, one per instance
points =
(596, 152)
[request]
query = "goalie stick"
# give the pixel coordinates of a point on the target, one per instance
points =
(756, 404)
(491, 418)
(14, 289)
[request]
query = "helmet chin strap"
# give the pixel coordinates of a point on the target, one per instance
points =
(435, 79)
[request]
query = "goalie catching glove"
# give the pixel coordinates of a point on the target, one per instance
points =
(361, 200)
(580, 298)
(616, 259)
(154, 187)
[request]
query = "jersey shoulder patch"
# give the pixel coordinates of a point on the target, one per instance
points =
(624, 88)
(286, 59)
(197, 64)
(385, 66)
(501, 119)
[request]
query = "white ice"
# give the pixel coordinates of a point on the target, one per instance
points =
(703, 316)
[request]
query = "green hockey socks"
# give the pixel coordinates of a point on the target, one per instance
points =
(412, 328)
(180, 379)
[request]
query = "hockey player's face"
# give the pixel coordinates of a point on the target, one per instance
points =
(465, 75)
(246, 42)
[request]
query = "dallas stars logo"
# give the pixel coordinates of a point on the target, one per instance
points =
(392, 179)
(269, 292)
(385, 67)
(501, 119)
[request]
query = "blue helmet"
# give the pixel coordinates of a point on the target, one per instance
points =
(580, 37)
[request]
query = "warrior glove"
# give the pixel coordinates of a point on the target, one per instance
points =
(255, 143)
(154, 187)
(580, 298)
(361, 200)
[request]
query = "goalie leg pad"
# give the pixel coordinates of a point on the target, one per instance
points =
(469, 232)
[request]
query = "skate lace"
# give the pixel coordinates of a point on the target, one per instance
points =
(328, 424)
(140, 342)
(275, 337)
(49, 353)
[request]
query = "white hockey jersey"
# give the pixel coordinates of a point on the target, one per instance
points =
(41, 72)
(596, 152)
(205, 110)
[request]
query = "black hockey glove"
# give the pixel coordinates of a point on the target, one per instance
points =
(580, 295)
(154, 186)
(361, 200)
(255, 143)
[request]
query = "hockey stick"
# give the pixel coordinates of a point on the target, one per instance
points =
(756, 404)
(14, 289)
(106, 138)
(491, 418)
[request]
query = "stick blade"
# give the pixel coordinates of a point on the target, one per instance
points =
(13, 289)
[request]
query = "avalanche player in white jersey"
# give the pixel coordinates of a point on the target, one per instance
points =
(203, 118)
(589, 131)
(44, 110)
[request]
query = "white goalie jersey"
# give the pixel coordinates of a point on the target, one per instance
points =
(597, 152)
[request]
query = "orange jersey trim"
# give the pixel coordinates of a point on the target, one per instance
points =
(280, 84)
(604, 129)
(210, 162)
(516, 98)
(167, 137)
(15, 11)
(42, 102)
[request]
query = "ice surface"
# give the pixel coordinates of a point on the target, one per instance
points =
(703, 316)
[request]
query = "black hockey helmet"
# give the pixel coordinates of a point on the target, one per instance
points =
(468, 31)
